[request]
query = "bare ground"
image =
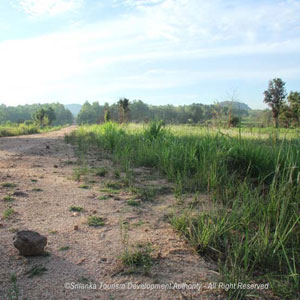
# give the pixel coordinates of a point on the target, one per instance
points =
(42, 167)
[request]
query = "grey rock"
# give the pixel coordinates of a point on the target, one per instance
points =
(29, 243)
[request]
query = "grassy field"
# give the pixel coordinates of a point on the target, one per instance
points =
(252, 178)
(23, 129)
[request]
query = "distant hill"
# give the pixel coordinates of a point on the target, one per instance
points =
(235, 105)
(74, 108)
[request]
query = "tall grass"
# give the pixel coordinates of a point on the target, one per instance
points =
(14, 129)
(254, 230)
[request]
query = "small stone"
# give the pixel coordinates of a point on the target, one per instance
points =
(47, 147)
(103, 259)
(76, 227)
(75, 214)
(55, 166)
(29, 243)
(81, 261)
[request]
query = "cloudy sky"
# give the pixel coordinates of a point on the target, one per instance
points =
(160, 51)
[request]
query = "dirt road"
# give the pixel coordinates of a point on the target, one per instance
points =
(40, 169)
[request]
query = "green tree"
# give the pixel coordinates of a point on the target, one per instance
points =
(275, 96)
(123, 109)
(294, 102)
(44, 116)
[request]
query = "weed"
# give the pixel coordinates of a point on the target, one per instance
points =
(78, 172)
(8, 185)
(8, 198)
(95, 221)
(117, 174)
(8, 213)
(37, 190)
(114, 185)
(138, 257)
(64, 248)
(84, 186)
(101, 172)
(76, 208)
(104, 197)
(132, 202)
(13, 293)
(36, 270)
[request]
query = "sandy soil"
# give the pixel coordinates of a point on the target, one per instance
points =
(41, 166)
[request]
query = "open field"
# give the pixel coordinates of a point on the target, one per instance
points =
(23, 129)
(251, 178)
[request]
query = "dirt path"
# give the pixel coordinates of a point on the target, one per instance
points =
(42, 168)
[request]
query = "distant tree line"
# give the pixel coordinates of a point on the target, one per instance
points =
(42, 114)
(138, 111)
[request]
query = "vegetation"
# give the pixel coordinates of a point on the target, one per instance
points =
(26, 114)
(36, 270)
(76, 208)
(8, 213)
(251, 176)
(274, 97)
(95, 221)
(136, 257)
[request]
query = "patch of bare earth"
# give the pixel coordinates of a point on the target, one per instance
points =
(42, 169)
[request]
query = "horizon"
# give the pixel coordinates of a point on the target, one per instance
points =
(163, 52)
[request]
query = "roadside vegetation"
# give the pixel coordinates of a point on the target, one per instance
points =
(251, 176)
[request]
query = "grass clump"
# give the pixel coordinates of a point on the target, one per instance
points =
(104, 197)
(13, 293)
(36, 270)
(95, 221)
(37, 190)
(8, 198)
(133, 202)
(101, 172)
(76, 208)
(8, 213)
(84, 186)
(64, 248)
(8, 185)
(138, 258)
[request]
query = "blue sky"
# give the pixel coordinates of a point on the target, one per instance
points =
(159, 51)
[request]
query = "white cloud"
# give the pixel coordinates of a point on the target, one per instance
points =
(117, 55)
(49, 7)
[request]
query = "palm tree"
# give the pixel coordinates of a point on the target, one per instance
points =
(123, 104)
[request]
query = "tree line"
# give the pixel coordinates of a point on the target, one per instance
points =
(138, 111)
(41, 114)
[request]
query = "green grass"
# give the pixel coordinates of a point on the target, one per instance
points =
(36, 270)
(104, 197)
(95, 221)
(8, 198)
(102, 172)
(84, 186)
(132, 202)
(138, 257)
(37, 190)
(15, 129)
(8, 185)
(64, 248)
(13, 293)
(252, 177)
(76, 208)
(8, 213)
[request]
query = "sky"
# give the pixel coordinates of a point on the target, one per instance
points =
(160, 51)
